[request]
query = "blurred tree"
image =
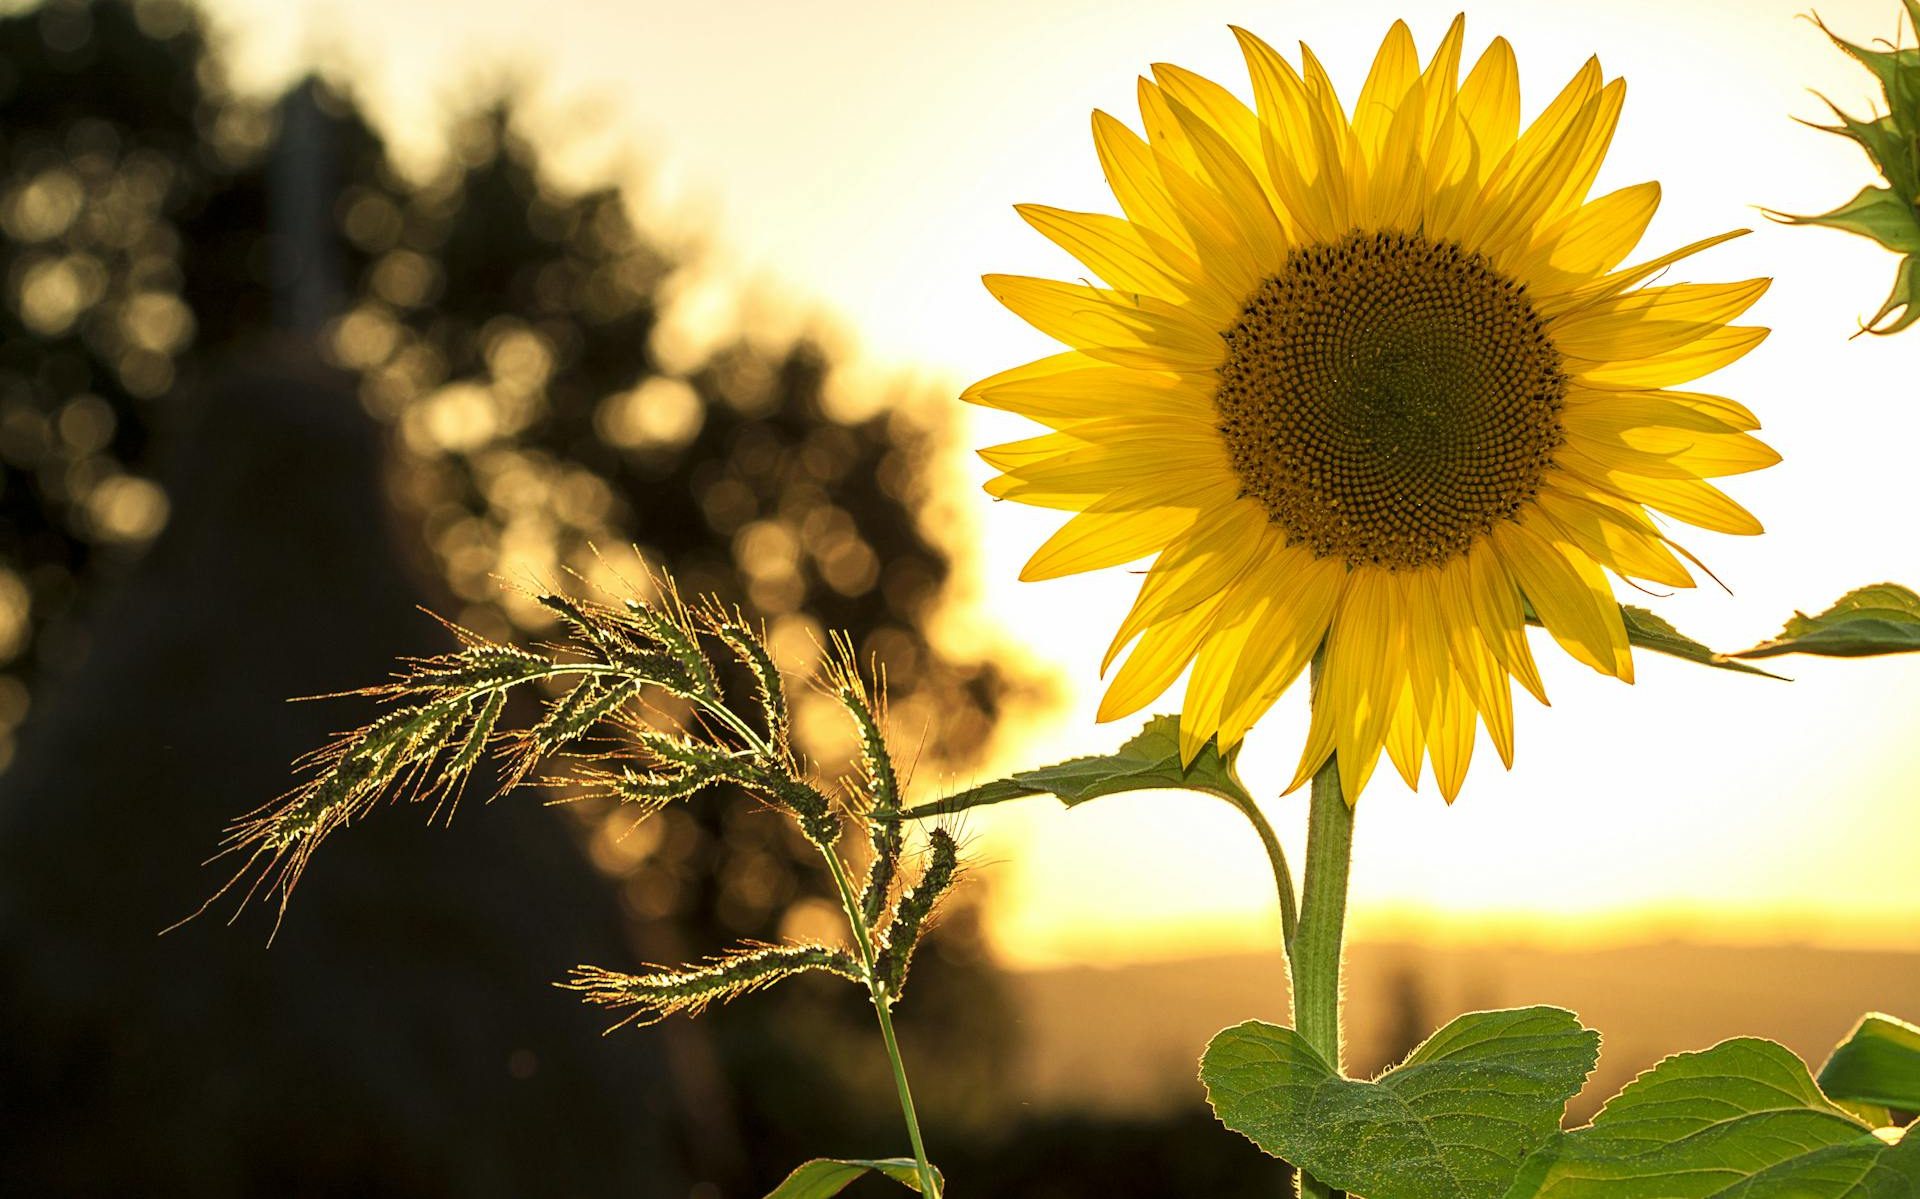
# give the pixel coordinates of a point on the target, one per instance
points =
(505, 329)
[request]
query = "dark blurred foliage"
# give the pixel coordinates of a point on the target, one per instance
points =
(176, 257)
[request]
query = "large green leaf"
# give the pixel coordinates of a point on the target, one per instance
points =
(1454, 1121)
(823, 1177)
(1878, 1064)
(1150, 760)
(1742, 1120)
(1883, 618)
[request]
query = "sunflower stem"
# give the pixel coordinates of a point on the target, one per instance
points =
(1316, 949)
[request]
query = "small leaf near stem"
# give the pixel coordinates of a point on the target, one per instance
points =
(1147, 761)
(823, 1177)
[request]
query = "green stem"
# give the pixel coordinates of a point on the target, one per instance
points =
(1316, 945)
(1323, 913)
(1282, 877)
(883, 1009)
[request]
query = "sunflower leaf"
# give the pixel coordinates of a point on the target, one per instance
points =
(1883, 618)
(1649, 630)
(1148, 761)
(1743, 1118)
(1454, 1121)
(823, 1176)
(1878, 1064)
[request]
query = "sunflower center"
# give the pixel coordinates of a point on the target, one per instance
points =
(1389, 398)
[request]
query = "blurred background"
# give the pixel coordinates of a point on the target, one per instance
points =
(312, 314)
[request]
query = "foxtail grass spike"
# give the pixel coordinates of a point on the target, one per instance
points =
(650, 998)
(916, 906)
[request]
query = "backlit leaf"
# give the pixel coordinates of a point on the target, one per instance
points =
(1150, 760)
(1883, 618)
(1878, 1064)
(1743, 1119)
(823, 1177)
(1454, 1121)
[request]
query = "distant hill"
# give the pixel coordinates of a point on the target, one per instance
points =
(1125, 1040)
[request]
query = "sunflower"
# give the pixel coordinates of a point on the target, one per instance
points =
(1374, 387)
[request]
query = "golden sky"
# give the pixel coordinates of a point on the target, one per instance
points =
(860, 160)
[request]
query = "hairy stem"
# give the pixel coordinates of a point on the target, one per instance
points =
(883, 1009)
(1316, 947)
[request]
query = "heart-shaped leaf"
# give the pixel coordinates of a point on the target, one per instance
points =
(1878, 1064)
(1454, 1121)
(822, 1176)
(1149, 760)
(1883, 618)
(1741, 1119)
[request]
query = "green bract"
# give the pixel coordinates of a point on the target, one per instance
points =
(1889, 215)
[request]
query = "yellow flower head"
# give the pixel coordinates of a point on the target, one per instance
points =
(1375, 383)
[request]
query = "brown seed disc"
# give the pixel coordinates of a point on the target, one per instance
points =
(1390, 398)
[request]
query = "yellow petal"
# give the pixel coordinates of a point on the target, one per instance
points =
(1612, 539)
(1319, 744)
(1495, 600)
(1135, 179)
(1069, 388)
(1568, 592)
(1301, 592)
(1127, 257)
(1363, 673)
(1099, 469)
(1210, 558)
(1450, 740)
(1703, 355)
(1157, 661)
(1441, 80)
(1213, 667)
(1288, 141)
(1633, 276)
(1395, 68)
(1490, 103)
(1612, 412)
(1220, 108)
(1130, 331)
(1653, 320)
(1692, 500)
(1594, 239)
(1406, 739)
(1671, 453)
(1095, 540)
(1476, 666)
(1256, 232)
